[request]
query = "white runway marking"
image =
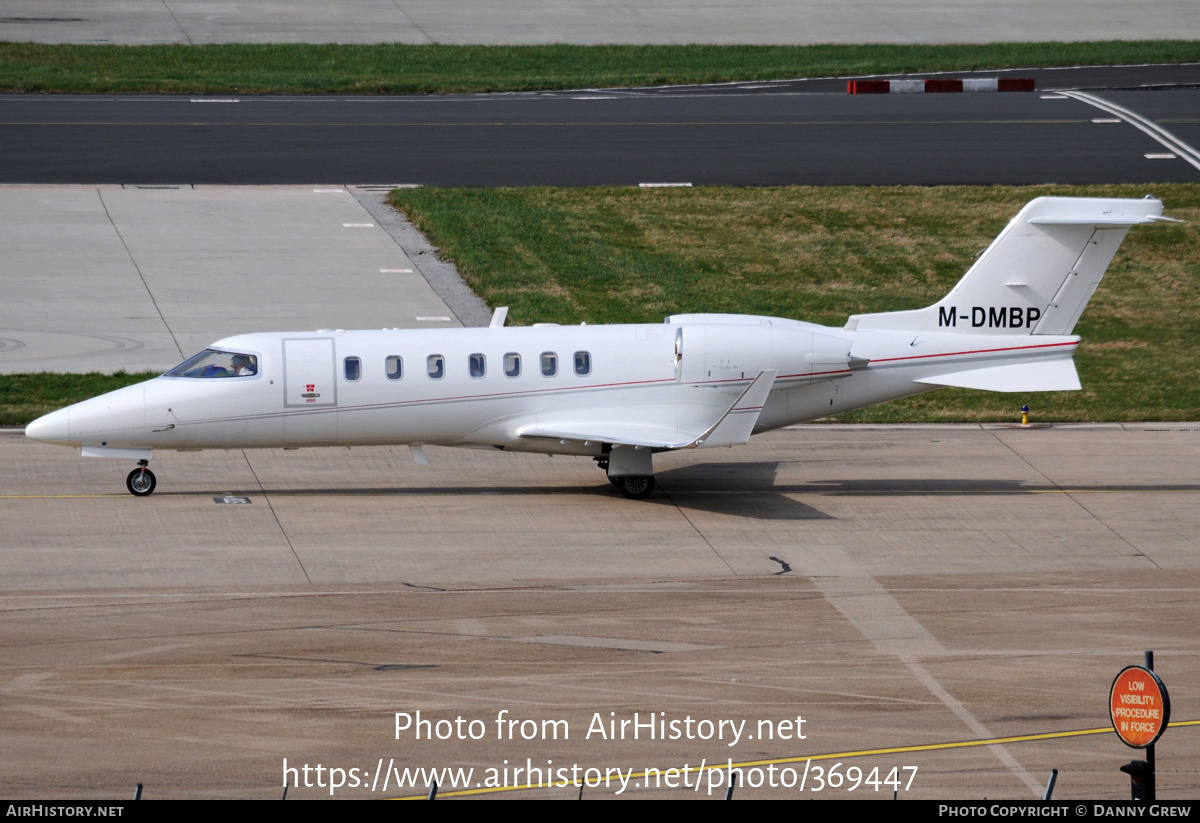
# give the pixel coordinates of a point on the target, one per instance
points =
(1142, 124)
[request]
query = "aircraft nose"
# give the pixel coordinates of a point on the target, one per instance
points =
(50, 428)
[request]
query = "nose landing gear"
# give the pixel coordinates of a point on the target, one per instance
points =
(141, 481)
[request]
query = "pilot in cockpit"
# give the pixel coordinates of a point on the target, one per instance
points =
(243, 365)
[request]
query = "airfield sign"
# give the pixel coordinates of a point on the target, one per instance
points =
(1139, 706)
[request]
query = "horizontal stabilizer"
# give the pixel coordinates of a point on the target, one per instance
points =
(732, 427)
(1045, 375)
(1104, 221)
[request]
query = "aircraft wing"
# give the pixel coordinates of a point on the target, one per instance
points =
(733, 426)
(618, 434)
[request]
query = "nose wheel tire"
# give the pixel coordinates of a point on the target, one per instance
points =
(141, 482)
(635, 486)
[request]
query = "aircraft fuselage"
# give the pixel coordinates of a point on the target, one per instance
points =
(487, 386)
(621, 393)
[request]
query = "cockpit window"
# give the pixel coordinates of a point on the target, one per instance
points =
(213, 363)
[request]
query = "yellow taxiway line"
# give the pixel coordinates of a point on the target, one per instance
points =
(779, 761)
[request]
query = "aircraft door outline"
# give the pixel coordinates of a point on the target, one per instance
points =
(309, 373)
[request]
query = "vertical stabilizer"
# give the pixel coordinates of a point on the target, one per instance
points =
(1036, 277)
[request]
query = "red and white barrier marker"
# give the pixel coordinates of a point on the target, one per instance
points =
(940, 85)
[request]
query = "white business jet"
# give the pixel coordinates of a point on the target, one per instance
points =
(619, 394)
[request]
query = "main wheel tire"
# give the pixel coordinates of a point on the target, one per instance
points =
(635, 486)
(141, 482)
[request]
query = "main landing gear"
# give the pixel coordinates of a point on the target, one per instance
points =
(634, 486)
(630, 469)
(141, 481)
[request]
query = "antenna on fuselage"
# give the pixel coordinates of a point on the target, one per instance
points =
(498, 318)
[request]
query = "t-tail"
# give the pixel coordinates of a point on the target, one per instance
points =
(1032, 282)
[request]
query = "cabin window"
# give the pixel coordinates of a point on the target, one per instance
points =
(549, 364)
(435, 366)
(214, 363)
(477, 365)
(352, 368)
(512, 365)
(395, 367)
(583, 363)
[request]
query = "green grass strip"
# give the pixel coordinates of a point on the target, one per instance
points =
(396, 68)
(611, 255)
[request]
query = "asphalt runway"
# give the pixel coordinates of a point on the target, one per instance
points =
(743, 134)
(894, 586)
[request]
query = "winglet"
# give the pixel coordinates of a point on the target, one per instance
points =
(737, 424)
(498, 318)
